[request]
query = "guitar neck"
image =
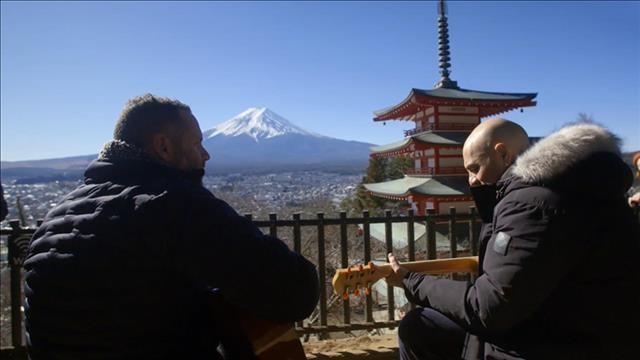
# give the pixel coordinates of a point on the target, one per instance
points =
(467, 264)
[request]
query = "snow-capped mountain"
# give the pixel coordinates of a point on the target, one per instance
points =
(258, 123)
(259, 138)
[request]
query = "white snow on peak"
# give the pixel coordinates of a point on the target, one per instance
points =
(258, 123)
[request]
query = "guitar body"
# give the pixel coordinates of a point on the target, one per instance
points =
(271, 341)
(242, 336)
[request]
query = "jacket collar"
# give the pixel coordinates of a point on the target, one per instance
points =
(121, 161)
(504, 182)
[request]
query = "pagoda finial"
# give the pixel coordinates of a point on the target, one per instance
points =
(443, 48)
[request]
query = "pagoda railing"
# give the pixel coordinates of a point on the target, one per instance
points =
(441, 126)
(445, 170)
(413, 131)
(421, 171)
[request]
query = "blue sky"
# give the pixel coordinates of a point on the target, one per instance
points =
(67, 68)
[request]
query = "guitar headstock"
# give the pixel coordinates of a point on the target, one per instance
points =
(352, 280)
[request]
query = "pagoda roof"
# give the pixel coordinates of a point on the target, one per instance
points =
(490, 103)
(429, 137)
(409, 185)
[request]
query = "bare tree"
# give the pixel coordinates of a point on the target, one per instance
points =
(584, 117)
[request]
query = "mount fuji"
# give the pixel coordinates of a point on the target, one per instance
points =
(258, 123)
(258, 138)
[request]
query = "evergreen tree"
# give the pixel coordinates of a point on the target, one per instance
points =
(379, 170)
(397, 167)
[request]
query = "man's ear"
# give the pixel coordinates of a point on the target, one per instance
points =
(501, 149)
(162, 147)
(504, 153)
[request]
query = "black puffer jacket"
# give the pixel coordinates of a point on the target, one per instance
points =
(121, 268)
(559, 272)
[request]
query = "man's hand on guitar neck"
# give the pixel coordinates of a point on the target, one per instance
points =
(399, 272)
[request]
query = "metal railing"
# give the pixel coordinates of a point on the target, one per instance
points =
(18, 237)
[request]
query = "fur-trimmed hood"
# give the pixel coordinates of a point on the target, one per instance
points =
(555, 154)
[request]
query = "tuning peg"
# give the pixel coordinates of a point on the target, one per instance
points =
(345, 294)
(349, 270)
(360, 267)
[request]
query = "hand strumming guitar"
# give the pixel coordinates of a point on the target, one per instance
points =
(399, 272)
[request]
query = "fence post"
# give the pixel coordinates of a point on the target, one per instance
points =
(411, 236)
(431, 235)
(388, 235)
(453, 244)
(297, 244)
(297, 241)
(15, 282)
(322, 271)
(273, 229)
(473, 240)
(344, 258)
(412, 241)
(366, 233)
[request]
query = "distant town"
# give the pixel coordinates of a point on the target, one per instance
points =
(258, 194)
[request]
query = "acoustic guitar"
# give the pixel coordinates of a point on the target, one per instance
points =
(271, 341)
(354, 279)
(242, 336)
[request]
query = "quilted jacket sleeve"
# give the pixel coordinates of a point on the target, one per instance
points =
(523, 263)
(256, 272)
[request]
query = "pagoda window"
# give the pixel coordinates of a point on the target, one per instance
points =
(431, 163)
(450, 151)
(451, 162)
(458, 109)
(414, 207)
(430, 205)
(459, 119)
(418, 164)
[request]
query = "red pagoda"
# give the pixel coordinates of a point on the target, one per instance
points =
(444, 117)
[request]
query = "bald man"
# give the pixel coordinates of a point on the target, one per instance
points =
(557, 275)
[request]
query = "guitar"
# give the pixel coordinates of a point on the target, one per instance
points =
(352, 279)
(243, 336)
(271, 341)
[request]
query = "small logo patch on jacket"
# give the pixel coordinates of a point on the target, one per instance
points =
(501, 243)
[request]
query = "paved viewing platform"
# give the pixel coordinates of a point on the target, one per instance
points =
(378, 347)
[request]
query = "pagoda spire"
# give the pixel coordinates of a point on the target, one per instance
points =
(443, 49)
